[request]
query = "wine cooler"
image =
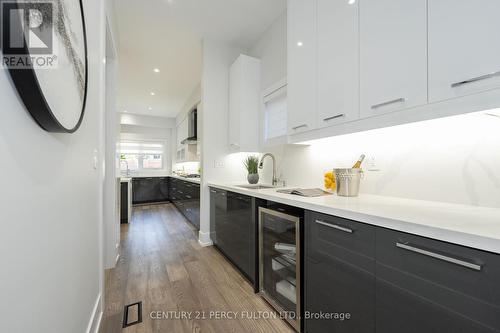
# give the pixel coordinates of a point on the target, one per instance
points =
(279, 263)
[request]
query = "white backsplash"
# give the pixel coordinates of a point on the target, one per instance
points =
(187, 167)
(455, 159)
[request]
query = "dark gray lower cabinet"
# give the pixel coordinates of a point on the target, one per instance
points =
(185, 196)
(339, 275)
(392, 282)
(149, 189)
(233, 227)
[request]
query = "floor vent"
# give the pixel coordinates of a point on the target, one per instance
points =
(132, 314)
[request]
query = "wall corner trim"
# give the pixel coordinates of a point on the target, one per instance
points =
(204, 239)
(95, 319)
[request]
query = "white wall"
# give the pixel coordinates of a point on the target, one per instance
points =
(449, 160)
(271, 49)
(111, 189)
(51, 209)
(214, 124)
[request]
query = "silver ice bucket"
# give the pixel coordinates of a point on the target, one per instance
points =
(348, 181)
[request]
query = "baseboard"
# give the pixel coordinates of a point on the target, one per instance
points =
(95, 320)
(204, 239)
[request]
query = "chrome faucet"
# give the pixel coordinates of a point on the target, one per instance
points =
(261, 166)
(128, 169)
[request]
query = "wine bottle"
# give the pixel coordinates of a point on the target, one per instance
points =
(357, 165)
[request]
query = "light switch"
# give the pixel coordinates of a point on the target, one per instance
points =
(96, 159)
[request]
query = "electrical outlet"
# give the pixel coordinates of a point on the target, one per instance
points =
(218, 164)
(372, 164)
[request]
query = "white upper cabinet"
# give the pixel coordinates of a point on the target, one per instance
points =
(302, 65)
(338, 62)
(393, 55)
(464, 47)
(244, 104)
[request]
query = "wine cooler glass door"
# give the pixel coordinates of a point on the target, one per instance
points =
(280, 262)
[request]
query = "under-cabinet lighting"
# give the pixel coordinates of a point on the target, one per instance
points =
(411, 130)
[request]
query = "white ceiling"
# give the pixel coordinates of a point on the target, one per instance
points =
(167, 34)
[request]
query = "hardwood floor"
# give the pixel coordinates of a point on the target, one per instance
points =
(163, 266)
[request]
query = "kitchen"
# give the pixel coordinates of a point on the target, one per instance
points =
(426, 128)
(300, 166)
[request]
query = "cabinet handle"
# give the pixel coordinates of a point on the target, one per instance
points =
(335, 117)
(300, 126)
(234, 144)
(398, 100)
(335, 226)
(475, 79)
(213, 191)
(407, 246)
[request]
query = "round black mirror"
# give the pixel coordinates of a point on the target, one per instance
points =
(44, 47)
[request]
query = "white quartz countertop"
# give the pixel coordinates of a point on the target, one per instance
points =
(129, 178)
(192, 180)
(472, 226)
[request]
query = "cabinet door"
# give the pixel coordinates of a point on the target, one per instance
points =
(464, 51)
(393, 55)
(151, 189)
(143, 190)
(302, 67)
(339, 274)
(235, 100)
(163, 191)
(136, 198)
(241, 228)
(338, 62)
(219, 198)
(244, 104)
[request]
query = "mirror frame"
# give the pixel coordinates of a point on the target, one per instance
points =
(31, 93)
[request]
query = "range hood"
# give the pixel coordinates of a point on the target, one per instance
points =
(192, 119)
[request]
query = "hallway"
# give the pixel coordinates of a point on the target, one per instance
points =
(163, 266)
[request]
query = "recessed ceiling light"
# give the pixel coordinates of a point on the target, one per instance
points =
(299, 43)
(352, 2)
(150, 108)
(152, 93)
(156, 70)
(125, 111)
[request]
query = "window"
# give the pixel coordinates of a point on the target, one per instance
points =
(141, 155)
(275, 114)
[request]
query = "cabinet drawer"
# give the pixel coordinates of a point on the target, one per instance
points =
(340, 237)
(401, 310)
(461, 282)
(468, 271)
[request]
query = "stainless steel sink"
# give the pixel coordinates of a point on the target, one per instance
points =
(255, 187)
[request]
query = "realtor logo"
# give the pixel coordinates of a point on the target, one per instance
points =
(27, 34)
